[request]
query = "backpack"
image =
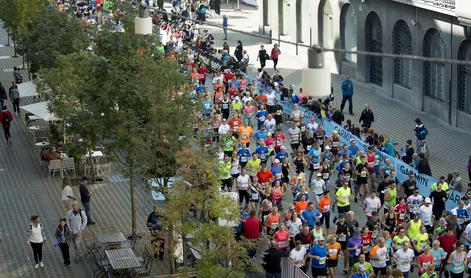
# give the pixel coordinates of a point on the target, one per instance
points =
(5, 120)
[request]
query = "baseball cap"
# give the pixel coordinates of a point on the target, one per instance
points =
(327, 147)
(318, 174)
(427, 200)
(283, 147)
(277, 161)
(237, 98)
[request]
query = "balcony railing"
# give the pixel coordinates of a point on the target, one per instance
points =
(440, 6)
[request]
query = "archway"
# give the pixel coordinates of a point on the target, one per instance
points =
(464, 78)
(374, 43)
(325, 24)
(348, 32)
(402, 40)
(435, 85)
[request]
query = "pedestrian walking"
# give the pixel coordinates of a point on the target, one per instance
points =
(347, 94)
(63, 236)
(224, 26)
(17, 75)
(36, 237)
(76, 221)
(262, 56)
(15, 98)
(85, 198)
(3, 95)
(67, 195)
(6, 118)
(367, 117)
(275, 53)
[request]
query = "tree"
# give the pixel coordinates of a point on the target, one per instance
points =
(194, 207)
(48, 35)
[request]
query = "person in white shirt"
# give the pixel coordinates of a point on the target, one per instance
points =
(318, 186)
(404, 258)
(271, 100)
(298, 255)
(426, 215)
(223, 129)
(379, 257)
(67, 195)
(36, 237)
(270, 123)
(242, 185)
(371, 203)
(414, 202)
(246, 98)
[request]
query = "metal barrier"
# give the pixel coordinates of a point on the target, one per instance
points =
(290, 270)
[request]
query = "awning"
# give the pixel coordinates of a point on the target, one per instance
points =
(40, 109)
(27, 89)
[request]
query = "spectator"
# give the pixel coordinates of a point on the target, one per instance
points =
(347, 94)
(272, 261)
(6, 118)
(85, 196)
(366, 117)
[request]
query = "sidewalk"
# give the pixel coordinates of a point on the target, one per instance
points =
(449, 147)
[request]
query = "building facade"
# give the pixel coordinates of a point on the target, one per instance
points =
(431, 28)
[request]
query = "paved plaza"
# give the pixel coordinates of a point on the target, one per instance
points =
(25, 189)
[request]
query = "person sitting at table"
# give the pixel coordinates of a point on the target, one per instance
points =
(50, 154)
(60, 146)
(155, 227)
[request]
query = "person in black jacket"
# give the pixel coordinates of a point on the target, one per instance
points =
(272, 261)
(238, 52)
(424, 166)
(63, 237)
(366, 117)
(337, 116)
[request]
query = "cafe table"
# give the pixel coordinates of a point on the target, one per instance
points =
(122, 259)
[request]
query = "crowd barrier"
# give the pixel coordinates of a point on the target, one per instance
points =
(290, 270)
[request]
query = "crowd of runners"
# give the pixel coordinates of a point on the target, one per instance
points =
(299, 187)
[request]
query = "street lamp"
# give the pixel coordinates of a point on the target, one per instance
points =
(143, 22)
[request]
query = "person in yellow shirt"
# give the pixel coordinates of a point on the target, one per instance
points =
(443, 182)
(413, 227)
(342, 197)
(253, 165)
(245, 133)
(420, 240)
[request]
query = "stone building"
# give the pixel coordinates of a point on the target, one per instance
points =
(432, 28)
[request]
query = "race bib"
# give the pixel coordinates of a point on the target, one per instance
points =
(357, 251)
(254, 196)
(325, 176)
(262, 118)
(322, 261)
(363, 174)
(332, 252)
(309, 147)
(342, 237)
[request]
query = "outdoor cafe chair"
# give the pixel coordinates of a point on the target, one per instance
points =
(55, 166)
(68, 164)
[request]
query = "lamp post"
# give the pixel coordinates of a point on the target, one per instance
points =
(143, 22)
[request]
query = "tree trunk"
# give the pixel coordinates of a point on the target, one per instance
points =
(132, 189)
(171, 249)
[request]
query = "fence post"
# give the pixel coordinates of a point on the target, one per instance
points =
(296, 48)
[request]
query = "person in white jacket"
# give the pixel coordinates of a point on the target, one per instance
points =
(77, 221)
(67, 195)
(36, 237)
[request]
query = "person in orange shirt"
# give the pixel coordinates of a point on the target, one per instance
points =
(245, 134)
(302, 204)
(324, 207)
(333, 250)
(261, 98)
(273, 220)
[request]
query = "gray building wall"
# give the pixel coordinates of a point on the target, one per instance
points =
(419, 22)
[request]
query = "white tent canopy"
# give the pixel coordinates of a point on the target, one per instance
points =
(27, 89)
(40, 109)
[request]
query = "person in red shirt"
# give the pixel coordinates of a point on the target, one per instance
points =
(401, 211)
(424, 260)
(251, 226)
(279, 140)
(264, 175)
(203, 71)
(366, 242)
(447, 241)
(5, 119)
(275, 53)
(235, 122)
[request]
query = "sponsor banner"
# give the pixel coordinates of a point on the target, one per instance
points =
(424, 182)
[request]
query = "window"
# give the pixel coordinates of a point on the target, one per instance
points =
(348, 32)
(434, 73)
(464, 78)
(374, 43)
(402, 45)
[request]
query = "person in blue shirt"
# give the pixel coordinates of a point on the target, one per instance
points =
(314, 159)
(347, 94)
(353, 149)
(311, 215)
(207, 104)
(260, 135)
(244, 155)
(262, 151)
(318, 255)
(361, 273)
(261, 116)
(277, 170)
(282, 155)
(224, 26)
(354, 247)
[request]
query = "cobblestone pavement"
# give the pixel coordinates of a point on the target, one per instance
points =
(25, 189)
